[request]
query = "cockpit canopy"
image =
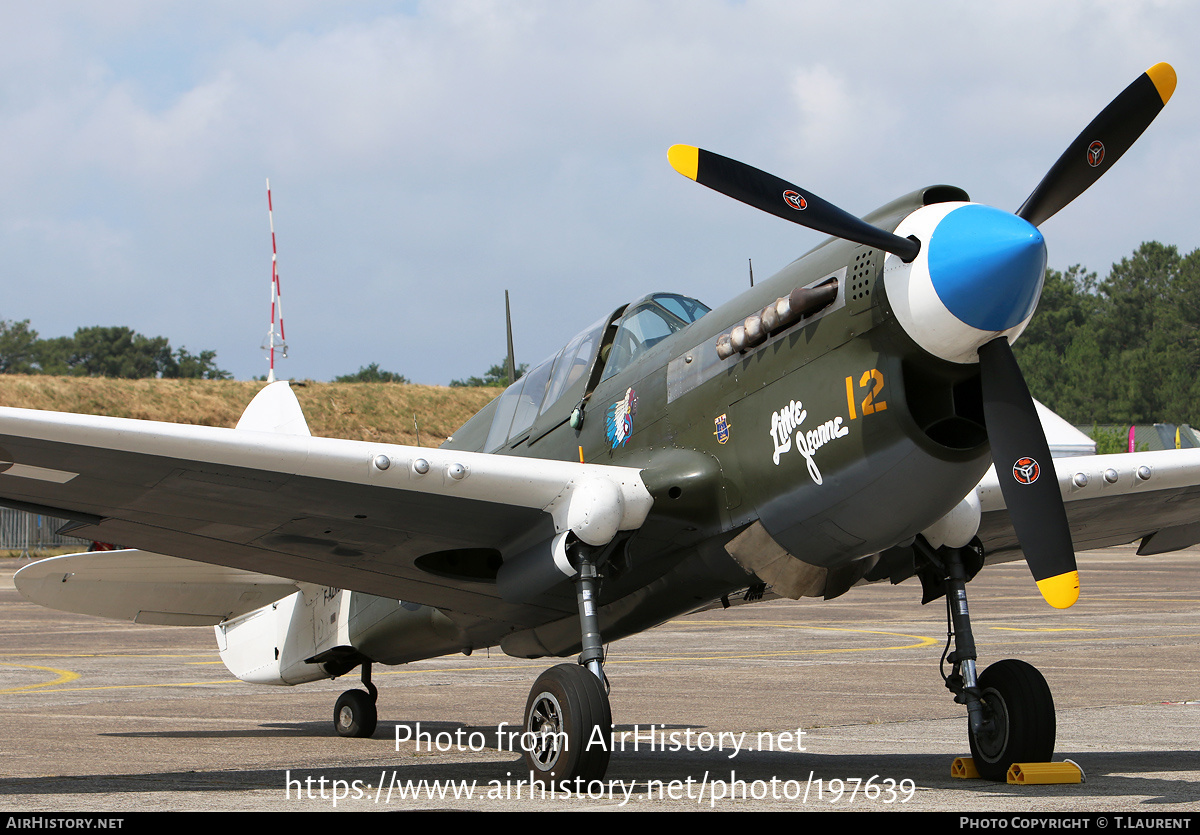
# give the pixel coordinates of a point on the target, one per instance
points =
(602, 350)
(645, 325)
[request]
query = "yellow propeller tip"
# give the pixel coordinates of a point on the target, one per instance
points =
(685, 159)
(1060, 591)
(1163, 76)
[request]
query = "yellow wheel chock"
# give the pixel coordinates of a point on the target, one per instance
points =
(1035, 774)
(964, 769)
(1025, 774)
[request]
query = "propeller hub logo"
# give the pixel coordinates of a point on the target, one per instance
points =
(1095, 153)
(795, 200)
(1026, 471)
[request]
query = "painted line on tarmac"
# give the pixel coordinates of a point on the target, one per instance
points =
(921, 641)
(124, 686)
(63, 676)
(1045, 629)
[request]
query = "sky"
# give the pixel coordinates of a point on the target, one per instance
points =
(424, 157)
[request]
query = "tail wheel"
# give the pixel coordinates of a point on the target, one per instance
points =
(568, 725)
(354, 714)
(1018, 719)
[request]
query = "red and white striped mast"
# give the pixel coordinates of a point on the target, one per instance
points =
(274, 340)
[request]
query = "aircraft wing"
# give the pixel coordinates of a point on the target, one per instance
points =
(1111, 500)
(413, 523)
(141, 587)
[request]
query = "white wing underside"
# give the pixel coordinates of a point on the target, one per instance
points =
(1111, 500)
(241, 509)
(273, 500)
(141, 587)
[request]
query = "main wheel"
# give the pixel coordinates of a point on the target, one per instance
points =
(568, 725)
(354, 714)
(1018, 719)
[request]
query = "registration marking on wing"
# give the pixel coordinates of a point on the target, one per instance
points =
(40, 473)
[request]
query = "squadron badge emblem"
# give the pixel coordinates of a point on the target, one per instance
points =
(722, 432)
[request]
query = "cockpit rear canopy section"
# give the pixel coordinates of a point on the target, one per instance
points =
(545, 397)
(644, 325)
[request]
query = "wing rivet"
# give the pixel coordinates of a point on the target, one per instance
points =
(1143, 473)
(382, 462)
(1081, 479)
(420, 466)
(1110, 475)
(456, 472)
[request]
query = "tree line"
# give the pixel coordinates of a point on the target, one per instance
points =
(123, 352)
(100, 352)
(1121, 350)
(496, 376)
(1124, 349)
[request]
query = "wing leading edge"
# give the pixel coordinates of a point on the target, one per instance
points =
(1111, 500)
(411, 523)
(141, 587)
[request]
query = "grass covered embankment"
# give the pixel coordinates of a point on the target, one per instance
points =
(358, 411)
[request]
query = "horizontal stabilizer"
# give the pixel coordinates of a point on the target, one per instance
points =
(142, 587)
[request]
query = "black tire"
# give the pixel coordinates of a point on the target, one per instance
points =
(1019, 717)
(567, 709)
(354, 715)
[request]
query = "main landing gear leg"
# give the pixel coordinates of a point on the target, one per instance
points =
(1010, 710)
(355, 714)
(568, 720)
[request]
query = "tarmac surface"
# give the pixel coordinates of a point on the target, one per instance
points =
(105, 717)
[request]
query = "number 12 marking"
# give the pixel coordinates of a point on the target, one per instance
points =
(873, 381)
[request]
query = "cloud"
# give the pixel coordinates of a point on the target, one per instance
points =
(426, 156)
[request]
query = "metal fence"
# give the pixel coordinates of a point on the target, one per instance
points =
(32, 532)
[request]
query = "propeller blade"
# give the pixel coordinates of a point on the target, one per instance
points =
(783, 199)
(1031, 493)
(1101, 144)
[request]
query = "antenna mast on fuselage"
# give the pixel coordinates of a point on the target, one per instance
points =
(512, 357)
